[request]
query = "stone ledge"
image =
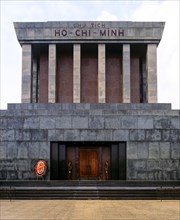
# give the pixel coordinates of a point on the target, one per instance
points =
(97, 106)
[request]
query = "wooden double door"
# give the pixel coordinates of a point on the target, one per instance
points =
(88, 163)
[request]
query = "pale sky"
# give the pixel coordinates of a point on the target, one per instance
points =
(26, 11)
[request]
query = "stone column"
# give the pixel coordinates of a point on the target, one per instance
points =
(151, 73)
(26, 73)
(77, 73)
(52, 74)
(34, 81)
(101, 73)
(126, 74)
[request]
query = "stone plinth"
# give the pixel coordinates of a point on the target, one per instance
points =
(151, 133)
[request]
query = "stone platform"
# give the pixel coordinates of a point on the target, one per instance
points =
(151, 133)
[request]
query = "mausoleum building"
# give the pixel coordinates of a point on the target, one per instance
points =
(89, 105)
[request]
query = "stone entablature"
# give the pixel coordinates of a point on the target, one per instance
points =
(126, 32)
(151, 131)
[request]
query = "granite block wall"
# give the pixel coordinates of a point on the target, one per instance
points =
(151, 133)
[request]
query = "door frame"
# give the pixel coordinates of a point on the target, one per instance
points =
(117, 159)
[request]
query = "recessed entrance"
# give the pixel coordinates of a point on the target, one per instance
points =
(88, 161)
(88, 164)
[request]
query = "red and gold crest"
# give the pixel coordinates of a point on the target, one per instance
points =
(40, 168)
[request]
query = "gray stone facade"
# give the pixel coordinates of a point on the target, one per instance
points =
(151, 133)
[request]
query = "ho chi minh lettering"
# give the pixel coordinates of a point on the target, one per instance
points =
(79, 32)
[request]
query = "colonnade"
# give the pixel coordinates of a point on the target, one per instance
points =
(27, 72)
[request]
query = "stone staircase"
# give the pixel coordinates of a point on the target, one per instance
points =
(90, 190)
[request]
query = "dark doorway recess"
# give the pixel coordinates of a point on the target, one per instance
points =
(88, 161)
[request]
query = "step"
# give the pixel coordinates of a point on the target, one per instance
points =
(89, 193)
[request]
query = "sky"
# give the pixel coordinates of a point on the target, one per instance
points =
(168, 64)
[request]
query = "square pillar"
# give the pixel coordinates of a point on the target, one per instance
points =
(101, 73)
(76, 73)
(151, 62)
(26, 73)
(34, 81)
(52, 74)
(126, 74)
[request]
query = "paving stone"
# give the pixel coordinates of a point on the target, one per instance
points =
(91, 209)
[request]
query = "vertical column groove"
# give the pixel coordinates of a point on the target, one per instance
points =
(26, 73)
(101, 73)
(126, 74)
(151, 73)
(52, 74)
(76, 73)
